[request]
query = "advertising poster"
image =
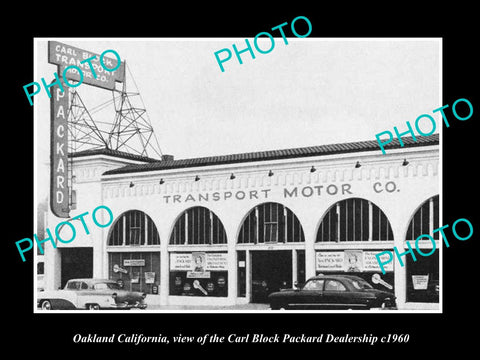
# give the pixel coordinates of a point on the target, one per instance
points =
(353, 260)
(149, 277)
(420, 282)
(223, 179)
(330, 260)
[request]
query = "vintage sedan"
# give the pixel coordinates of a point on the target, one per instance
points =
(91, 294)
(333, 292)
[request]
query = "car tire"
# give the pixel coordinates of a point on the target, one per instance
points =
(46, 305)
(93, 307)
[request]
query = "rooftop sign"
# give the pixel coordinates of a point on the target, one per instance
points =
(95, 68)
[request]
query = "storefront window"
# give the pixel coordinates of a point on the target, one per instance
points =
(135, 271)
(423, 274)
(423, 279)
(199, 274)
(271, 223)
(354, 220)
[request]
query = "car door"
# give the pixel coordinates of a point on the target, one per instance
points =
(336, 295)
(310, 296)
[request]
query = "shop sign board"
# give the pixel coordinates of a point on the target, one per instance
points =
(198, 274)
(67, 56)
(133, 262)
(59, 192)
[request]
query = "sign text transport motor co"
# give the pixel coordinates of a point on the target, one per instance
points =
(306, 191)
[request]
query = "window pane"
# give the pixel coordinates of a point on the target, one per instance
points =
(314, 285)
(334, 285)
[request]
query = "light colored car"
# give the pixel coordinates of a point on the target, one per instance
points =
(91, 294)
(40, 273)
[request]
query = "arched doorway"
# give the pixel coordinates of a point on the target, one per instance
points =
(423, 283)
(198, 255)
(133, 249)
(270, 251)
(349, 235)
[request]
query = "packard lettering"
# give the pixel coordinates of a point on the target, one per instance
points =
(59, 192)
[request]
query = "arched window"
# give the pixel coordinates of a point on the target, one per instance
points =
(354, 220)
(198, 226)
(425, 220)
(270, 223)
(134, 228)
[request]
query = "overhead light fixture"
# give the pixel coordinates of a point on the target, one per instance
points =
(270, 173)
(161, 181)
(313, 169)
(232, 176)
(132, 184)
(357, 165)
(197, 178)
(405, 162)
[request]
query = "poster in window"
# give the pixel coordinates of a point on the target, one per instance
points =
(180, 261)
(420, 282)
(370, 262)
(329, 260)
(353, 260)
(149, 277)
(199, 262)
(216, 262)
(135, 277)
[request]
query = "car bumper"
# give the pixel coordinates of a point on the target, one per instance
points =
(129, 306)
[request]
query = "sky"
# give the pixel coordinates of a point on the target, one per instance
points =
(313, 91)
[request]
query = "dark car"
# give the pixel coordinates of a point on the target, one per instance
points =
(333, 292)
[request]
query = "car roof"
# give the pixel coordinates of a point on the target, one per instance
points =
(92, 281)
(350, 277)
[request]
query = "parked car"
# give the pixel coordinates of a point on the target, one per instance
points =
(40, 273)
(333, 292)
(91, 294)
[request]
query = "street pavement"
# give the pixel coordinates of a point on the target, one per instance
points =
(252, 307)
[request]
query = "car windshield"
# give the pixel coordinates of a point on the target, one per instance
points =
(361, 284)
(106, 286)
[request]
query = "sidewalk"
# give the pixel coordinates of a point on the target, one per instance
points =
(252, 307)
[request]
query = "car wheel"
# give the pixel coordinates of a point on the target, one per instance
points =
(46, 305)
(93, 307)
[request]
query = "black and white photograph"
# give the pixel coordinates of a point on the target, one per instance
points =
(239, 188)
(269, 180)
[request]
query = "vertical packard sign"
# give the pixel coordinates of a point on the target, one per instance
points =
(59, 197)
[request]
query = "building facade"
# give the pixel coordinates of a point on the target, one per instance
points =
(227, 230)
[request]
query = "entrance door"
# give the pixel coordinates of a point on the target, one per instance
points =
(271, 271)
(76, 263)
